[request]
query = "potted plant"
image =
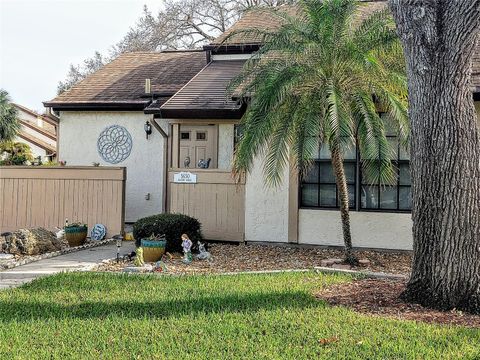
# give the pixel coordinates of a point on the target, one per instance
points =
(76, 233)
(153, 247)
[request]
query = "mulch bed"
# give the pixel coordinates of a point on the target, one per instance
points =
(381, 297)
(236, 258)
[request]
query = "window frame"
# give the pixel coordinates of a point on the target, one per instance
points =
(357, 202)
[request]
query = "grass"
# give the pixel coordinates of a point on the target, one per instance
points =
(275, 316)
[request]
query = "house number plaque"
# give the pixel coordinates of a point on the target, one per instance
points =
(185, 177)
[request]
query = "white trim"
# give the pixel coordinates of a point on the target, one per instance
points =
(231, 57)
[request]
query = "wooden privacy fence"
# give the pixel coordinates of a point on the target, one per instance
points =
(215, 200)
(46, 196)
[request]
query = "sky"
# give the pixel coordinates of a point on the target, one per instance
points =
(39, 39)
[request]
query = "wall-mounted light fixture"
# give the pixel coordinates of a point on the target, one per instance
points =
(148, 128)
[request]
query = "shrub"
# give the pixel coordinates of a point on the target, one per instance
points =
(172, 225)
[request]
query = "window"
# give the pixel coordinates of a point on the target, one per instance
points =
(185, 135)
(319, 190)
(201, 135)
(395, 196)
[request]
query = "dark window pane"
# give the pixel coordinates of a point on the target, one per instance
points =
(201, 135)
(350, 153)
(328, 195)
(394, 148)
(326, 173)
(368, 179)
(350, 172)
(388, 198)
(404, 174)
(404, 153)
(312, 175)
(309, 195)
(369, 196)
(405, 198)
(185, 135)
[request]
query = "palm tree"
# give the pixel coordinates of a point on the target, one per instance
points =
(9, 125)
(320, 80)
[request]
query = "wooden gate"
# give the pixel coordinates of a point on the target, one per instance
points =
(215, 200)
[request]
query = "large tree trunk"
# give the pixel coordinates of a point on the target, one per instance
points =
(341, 179)
(439, 39)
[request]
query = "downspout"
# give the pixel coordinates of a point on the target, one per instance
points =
(165, 158)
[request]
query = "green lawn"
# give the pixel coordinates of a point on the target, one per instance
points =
(101, 316)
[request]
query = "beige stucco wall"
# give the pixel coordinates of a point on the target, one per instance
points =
(225, 146)
(266, 209)
(79, 133)
(369, 229)
(477, 107)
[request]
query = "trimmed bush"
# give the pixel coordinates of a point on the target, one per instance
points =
(172, 225)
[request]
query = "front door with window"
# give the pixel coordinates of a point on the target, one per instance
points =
(198, 145)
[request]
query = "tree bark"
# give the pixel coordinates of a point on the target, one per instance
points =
(439, 38)
(341, 179)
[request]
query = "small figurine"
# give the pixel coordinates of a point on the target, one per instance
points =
(139, 257)
(203, 254)
(160, 266)
(187, 249)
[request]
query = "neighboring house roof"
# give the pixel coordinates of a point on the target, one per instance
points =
(206, 95)
(121, 83)
(40, 143)
(38, 129)
(48, 118)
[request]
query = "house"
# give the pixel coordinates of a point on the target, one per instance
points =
(39, 131)
(184, 164)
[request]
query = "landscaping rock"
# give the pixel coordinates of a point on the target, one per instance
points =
(4, 257)
(327, 262)
(341, 266)
(364, 262)
(31, 242)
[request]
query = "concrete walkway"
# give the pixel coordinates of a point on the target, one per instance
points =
(83, 260)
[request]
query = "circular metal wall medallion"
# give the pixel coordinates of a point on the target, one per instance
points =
(114, 144)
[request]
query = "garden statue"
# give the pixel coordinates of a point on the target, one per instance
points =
(203, 254)
(204, 164)
(187, 249)
(139, 257)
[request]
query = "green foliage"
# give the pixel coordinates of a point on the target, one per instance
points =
(276, 316)
(321, 78)
(15, 153)
(9, 125)
(172, 225)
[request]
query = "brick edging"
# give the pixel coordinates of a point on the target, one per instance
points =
(33, 258)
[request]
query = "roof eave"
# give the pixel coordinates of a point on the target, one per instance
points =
(97, 106)
(236, 113)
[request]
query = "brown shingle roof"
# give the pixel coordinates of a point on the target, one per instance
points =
(40, 143)
(122, 82)
(205, 96)
(263, 19)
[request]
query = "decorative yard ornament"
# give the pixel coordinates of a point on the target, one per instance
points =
(114, 144)
(139, 257)
(187, 249)
(186, 162)
(204, 164)
(98, 232)
(203, 253)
